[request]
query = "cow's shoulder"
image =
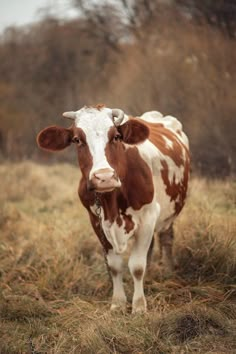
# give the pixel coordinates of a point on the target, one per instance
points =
(138, 185)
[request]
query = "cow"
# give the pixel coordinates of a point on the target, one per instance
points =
(135, 172)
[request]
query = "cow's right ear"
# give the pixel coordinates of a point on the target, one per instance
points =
(134, 131)
(54, 138)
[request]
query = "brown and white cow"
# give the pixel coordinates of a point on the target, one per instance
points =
(140, 168)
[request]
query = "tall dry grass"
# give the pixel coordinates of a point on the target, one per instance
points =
(55, 291)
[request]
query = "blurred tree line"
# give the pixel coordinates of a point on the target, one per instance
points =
(175, 56)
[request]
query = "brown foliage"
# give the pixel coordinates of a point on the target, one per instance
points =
(159, 60)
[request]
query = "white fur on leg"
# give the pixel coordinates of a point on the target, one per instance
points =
(138, 262)
(115, 264)
(137, 267)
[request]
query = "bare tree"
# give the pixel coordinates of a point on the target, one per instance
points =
(220, 13)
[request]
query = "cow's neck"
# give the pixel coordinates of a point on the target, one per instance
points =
(110, 205)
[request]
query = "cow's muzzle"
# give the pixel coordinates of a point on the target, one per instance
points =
(104, 180)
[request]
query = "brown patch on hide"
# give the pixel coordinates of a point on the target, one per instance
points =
(157, 135)
(85, 158)
(138, 273)
(119, 220)
(138, 184)
(176, 191)
(99, 106)
(113, 271)
(129, 224)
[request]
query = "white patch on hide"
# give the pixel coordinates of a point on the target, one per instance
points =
(152, 117)
(169, 143)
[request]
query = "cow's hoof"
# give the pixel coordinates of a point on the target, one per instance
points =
(118, 306)
(139, 306)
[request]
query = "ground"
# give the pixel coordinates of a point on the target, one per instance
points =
(55, 292)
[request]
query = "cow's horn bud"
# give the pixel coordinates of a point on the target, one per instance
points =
(69, 115)
(117, 116)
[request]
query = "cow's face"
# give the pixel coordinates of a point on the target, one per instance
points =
(100, 144)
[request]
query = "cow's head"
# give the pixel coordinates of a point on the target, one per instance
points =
(100, 138)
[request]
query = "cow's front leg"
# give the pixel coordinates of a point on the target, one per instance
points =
(138, 263)
(115, 264)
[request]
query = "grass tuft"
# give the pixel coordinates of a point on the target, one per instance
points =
(189, 322)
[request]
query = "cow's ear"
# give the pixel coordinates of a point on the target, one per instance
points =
(54, 138)
(134, 131)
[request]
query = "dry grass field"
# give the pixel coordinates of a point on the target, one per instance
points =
(55, 292)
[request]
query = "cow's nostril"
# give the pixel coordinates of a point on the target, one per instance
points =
(103, 177)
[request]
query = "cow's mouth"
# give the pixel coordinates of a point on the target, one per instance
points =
(102, 189)
(106, 189)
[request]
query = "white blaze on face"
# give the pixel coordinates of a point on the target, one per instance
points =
(96, 124)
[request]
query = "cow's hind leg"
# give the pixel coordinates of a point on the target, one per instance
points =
(166, 242)
(115, 266)
(150, 250)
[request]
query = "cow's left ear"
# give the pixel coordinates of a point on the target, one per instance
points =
(134, 131)
(54, 138)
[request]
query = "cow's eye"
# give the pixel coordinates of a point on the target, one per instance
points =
(117, 137)
(76, 140)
